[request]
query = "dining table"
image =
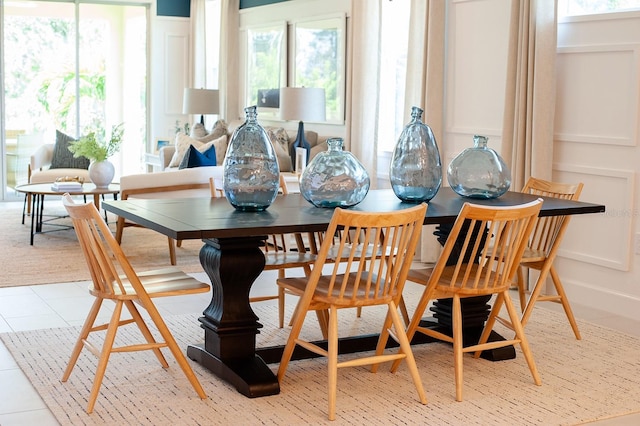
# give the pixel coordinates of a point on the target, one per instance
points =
(232, 257)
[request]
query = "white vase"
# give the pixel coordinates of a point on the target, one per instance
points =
(101, 173)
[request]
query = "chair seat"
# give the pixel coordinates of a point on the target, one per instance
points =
(161, 283)
(463, 287)
(322, 294)
(532, 255)
(288, 259)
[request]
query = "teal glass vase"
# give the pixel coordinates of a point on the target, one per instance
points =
(479, 172)
(251, 172)
(416, 170)
(334, 178)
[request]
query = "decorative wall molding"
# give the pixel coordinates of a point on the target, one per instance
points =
(597, 122)
(613, 230)
(176, 71)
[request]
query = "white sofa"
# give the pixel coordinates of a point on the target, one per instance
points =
(184, 183)
(318, 144)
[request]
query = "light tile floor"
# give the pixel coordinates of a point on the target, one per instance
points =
(63, 305)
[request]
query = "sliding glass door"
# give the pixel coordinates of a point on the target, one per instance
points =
(73, 67)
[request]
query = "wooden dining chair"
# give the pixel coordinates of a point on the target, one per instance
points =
(377, 280)
(542, 250)
(278, 255)
(114, 279)
(486, 268)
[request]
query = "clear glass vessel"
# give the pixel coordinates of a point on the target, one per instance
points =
(251, 173)
(334, 178)
(479, 172)
(416, 170)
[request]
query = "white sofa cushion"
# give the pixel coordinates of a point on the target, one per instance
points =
(171, 178)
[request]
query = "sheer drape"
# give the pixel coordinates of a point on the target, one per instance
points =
(362, 85)
(198, 45)
(425, 63)
(425, 85)
(527, 136)
(229, 48)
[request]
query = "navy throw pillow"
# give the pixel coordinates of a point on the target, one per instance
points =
(195, 158)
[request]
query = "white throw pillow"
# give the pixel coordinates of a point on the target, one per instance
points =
(280, 141)
(182, 146)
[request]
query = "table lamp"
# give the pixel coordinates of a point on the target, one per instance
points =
(200, 101)
(301, 103)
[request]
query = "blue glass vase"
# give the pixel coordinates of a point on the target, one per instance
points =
(479, 172)
(334, 178)
(416, 170)
(251, 173)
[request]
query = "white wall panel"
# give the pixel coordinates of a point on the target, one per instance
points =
(476, 66)
(597, 94)
(176, 70)
(600, 239)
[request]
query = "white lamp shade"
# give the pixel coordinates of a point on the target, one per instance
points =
(302, 103)
(200, 101)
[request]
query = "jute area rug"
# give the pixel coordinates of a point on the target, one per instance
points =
(56, 257)
(595, 378)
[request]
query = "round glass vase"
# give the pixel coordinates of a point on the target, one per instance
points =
(416, 169)
(334, 178)
(251, 172)
(479, 172)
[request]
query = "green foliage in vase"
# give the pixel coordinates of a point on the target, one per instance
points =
(94, 147)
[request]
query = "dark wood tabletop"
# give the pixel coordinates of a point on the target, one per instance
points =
(204, 218)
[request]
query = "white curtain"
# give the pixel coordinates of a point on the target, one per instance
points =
(198, 47)
(425, 63)
(363, 83)
(425, 85)
(530, 93)
(229, 48)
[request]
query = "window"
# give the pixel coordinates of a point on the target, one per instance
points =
(590, 7)
(72, 75)
(306, 52)
(394, 41)
(266, 67)
(319, 61)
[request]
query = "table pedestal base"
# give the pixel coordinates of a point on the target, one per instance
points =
(251, 377)
(230, 324)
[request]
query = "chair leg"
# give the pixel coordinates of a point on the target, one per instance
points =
(332, 346)
(403, 310)
(84, 333)
(173, 347)
(104, 355)
(119, 229)
(405, 347)
(491, 320)
(521, 290)
(383, 338)
(415, 322)
(297, 322)
(533, 297)
(172, 250)
(565, 302)
(281, 297)
(524, 344)
(323, 321)
(135, 314)
(457, 345)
